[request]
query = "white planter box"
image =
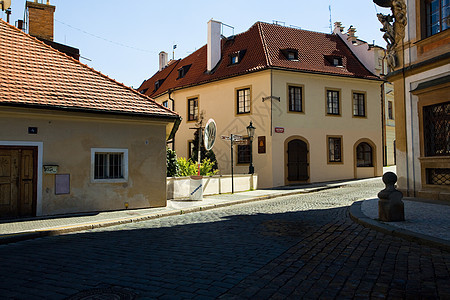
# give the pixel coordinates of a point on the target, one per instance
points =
(178, 187)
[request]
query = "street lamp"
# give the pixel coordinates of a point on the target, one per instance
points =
(251, 134)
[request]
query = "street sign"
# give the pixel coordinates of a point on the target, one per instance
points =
(224, 137)
(237, 137)
(243, 142)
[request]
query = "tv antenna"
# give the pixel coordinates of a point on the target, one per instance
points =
(331, 26)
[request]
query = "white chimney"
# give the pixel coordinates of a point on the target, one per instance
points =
(163, 57)
(213, 47)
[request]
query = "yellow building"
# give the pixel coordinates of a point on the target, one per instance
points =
(72, 139)
(419, 49)
(374, 58)
(315, 107)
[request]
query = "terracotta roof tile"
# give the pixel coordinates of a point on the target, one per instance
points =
(34, 74)
(263, 44)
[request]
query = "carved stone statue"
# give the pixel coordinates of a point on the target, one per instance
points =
(393, 27)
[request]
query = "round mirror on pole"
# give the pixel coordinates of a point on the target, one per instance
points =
(210, 134)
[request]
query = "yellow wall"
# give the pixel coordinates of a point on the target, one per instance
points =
(314, 125)
(217, 100)
(67, 141)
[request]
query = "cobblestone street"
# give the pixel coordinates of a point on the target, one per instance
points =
(296, 247)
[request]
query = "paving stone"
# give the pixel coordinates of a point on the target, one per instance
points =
(301, 246)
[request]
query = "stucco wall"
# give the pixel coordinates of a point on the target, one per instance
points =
(217, 100)
(314, 125)
(67, 142)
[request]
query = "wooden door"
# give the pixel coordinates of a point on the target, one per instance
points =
(297, 161)
(17, 182)
(9, 179)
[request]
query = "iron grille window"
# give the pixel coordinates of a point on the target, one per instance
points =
(334, 149)
(192, 109)
(364, 155)
(359, 105)
(244, 154)
(108, 166)
(332, 102)
(295, 99)
(436, 123)
(243, 101)
(438, 176)
(437, 16)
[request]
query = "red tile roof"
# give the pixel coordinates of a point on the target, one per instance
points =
(33, 74)
(263, 44)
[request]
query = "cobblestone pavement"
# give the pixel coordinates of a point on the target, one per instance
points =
(294, 247)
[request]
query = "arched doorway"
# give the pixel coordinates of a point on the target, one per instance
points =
(297, 161)
(365, 159)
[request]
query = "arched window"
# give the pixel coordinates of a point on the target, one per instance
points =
(364, 155)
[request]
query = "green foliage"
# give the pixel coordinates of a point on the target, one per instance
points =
(188, 168)
(171, 163)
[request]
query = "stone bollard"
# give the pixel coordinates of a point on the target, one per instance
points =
(390, 204)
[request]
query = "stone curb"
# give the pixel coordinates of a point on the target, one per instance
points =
(22, 236)
(359, 217)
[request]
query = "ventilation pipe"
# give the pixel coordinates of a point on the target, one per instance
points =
(214, 45)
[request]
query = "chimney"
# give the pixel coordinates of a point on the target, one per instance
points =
(338, 27)
(214, 45)
(163, 57)
(40, 19)
(351, 34)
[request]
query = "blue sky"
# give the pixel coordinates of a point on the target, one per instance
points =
(122, 39)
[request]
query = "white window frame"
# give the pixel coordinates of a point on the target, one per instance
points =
(110, 150)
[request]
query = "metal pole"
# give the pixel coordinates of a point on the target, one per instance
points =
(251, 169)
(232, 178)
(199, 145)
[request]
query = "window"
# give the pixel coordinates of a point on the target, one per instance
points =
(243, 101)
(436, 129)
(234, 58)
(190, 149)
(364, 155)
(359, 105)
(158, 83)
(295, 99)
(437, 16)
(290, 54)
(334, 149)
(166, 103)
(193, 109)
(333, 102)
(337, 61)
(144, 91)
(183, 71)
(244, 154)
(109, 165)
(390, 111)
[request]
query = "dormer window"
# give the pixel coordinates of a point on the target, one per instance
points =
(290, 54)
(236, 57)
(182, 71)
(144, 91)
(158, 83)
(337, 61)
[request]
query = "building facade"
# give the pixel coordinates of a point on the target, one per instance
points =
(73, 140)
(315, 107)
(420, 72)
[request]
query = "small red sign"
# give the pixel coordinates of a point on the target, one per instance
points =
(279, 129)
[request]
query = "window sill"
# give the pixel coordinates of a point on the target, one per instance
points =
(118, 180)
